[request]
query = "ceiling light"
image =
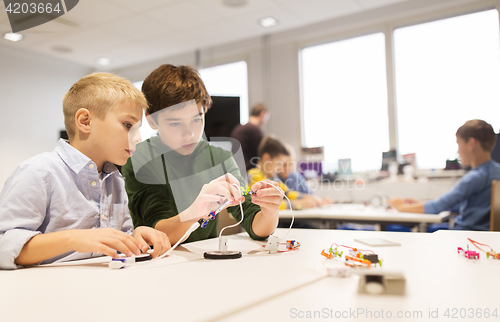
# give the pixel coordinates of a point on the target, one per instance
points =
(104, 61)
(234, 3)
(13, 37)
(268, 22)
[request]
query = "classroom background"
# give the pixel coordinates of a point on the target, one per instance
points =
(372, 82)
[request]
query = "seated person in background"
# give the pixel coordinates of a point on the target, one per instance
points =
(273, 156)
(471, 196)
(177, 177)
(71, 203)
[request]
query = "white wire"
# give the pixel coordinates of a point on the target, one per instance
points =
(184, 237)
(289, 203)
(196, 224)
(242, 215)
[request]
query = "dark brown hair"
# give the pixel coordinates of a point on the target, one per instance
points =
(479, 130)
(257, 109)
(272, 146)
(170, 85)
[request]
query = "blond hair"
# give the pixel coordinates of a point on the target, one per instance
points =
(99, 93)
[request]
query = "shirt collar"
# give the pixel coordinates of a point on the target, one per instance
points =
(76, 160)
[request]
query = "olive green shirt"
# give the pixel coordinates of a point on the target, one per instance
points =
(161, 183)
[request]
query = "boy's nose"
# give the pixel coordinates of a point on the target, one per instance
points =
(135, 138)
(187, 132)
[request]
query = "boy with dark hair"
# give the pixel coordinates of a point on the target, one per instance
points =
(177, 177)
(471, 196)
(53, 203)
(275, 158)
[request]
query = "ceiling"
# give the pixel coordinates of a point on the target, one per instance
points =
(135, 31)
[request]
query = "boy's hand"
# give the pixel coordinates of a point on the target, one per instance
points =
(224, 187)
(396, 203)
(267, 197)
(148, 236)
(103, 240)
(304, 203)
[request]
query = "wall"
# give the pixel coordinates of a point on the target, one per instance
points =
(273, 60)
(31, 90)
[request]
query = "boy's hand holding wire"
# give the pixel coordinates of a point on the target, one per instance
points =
(269, 197)
(212, 195)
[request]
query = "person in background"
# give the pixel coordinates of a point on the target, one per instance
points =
(471, 196)
(293, 179)
(273, 157)
(250, 135)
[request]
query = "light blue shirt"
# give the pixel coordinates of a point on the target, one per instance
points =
(471, 196)
(57, 191)
(297, 182)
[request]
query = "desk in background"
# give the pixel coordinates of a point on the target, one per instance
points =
(257, 287)
(348, 191)
(328, 216)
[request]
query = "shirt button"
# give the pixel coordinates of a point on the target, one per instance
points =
(103, 217)
(91, 166)
(93, 183)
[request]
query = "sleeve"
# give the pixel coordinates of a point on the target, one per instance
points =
(23, 204)
(301, 184)
(148, 202)
(468, 186)
(128, 225)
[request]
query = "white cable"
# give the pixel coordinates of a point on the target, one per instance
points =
(289, 203)
(197, 224)
(184, 237)
(242, 215)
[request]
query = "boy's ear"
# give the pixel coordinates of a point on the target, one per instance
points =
(151, 121)
(472, 143)
(83, 120)
(266, 157)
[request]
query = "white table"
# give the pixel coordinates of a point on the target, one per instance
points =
(259, 286)
(365, 214)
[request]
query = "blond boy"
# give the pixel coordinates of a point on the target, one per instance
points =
(71, 203)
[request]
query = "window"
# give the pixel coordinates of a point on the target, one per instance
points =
(228, 80)
(447, 72)
(344, 108)
(145, 130)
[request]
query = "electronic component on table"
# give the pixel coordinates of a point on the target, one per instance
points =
(117, 263)
(469, 254)
(491, 253)
(213, 213)
(357, 257)
(292, 244)
(381, 282)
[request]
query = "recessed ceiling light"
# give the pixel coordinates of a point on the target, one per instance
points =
(234, 3)
(268, 22)
(104, 61)
(13, 37)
